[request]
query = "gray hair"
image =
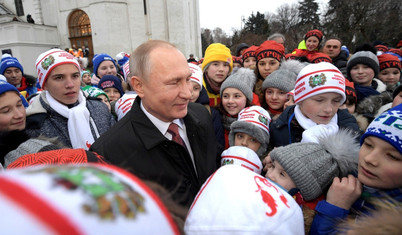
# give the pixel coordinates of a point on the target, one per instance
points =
(276, 35)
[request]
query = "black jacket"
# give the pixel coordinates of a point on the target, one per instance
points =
(279, 131)
(135, 144)
(341, 61)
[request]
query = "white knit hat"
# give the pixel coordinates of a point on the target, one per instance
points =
(319, 78)
(124, 104)
(79, 199)
(235, 200)
(50, 59)
(196, 75)
(242, 156)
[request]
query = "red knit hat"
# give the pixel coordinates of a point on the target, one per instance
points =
(270, 49)
(318, 57)
(382, 48)
(290, 56)
(389, 61)
(314, 32)
(237, 59)
(350, 89)
(249, 52)
(396, 51)
(399, 44)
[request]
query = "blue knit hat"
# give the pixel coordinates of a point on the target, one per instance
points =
(5, 87)
(98, 59)
(387, 127)
(111, 81)
(8, 62)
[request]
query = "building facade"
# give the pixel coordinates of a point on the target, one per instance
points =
(102, 26)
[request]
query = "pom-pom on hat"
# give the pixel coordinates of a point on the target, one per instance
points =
(284, 78)
(315, 32)
(381, 48)
(319, 78)
(387, 127)
(98, 59)
(235, 200)
(389, 61)
(8, 62)
(80, 199)
(318, 57)
(242, 156)
(50, 59)
(313, 166)
(363, 57)
(270, 49)
(243, 79)
(217, 52)
(196, 74)
(254, 121)
(249, 52)
(108, 81)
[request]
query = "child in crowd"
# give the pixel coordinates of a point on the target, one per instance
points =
(112, 86)
(277, 86)
(390, 69)
(379, 171)
(248, 56)
(85, 78)
(251, 130)
(319, 92)
(242, 156)
(362, 68)
(310, 44)
(351, 98)
(236, 200)
(94, 92)
(269, 57)
(216, 66)
(237, 62)
(305, 170)
(236, 94)
(196, 81)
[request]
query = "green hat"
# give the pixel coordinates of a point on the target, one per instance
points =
(94, 92)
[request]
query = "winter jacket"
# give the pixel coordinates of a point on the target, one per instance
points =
(136, 144)
(44, 120)
(279, 131)
(362, 92)
(341, 61)
(328, 215)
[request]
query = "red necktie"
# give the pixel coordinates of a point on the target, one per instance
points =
(174, 131)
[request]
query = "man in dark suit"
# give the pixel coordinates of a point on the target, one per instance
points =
(142, 142)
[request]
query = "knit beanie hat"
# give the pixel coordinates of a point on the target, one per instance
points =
(85, 72)
(240, 47)
(235, 200)
(94, 92)
(243, 79)
(254, 121)
(111, 81)
(49, 60)
(363, 57)
(8, 62)
(284, 78)
(122, 58)
(217, 52)
(80, 199)
(398, 52)
(270, 49)
(196, 75)
(350, 89)
(313, 166)
(98, 59)
(388, 61)
(319, 78)
(249, 52)
(242, 156)
(237, 59)
(5, 87)
(124, 104)
(381, 48)
(315, 32)
(387, 127)
(318, 57)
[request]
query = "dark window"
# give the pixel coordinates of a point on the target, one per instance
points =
(19, 7)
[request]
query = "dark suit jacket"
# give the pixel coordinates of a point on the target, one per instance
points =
(135, 144)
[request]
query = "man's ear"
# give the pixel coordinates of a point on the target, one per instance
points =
(138, 85)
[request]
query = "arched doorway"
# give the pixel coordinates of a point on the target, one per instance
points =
(80, 33)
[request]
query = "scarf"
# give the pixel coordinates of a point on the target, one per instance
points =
(78, 121)
(227, 120)
(312, 131)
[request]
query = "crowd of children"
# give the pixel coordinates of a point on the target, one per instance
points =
(304, 148)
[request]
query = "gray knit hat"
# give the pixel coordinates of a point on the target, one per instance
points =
(363, 57)
(242, 79)
(284, 78)
(312, 166)
(254, 121)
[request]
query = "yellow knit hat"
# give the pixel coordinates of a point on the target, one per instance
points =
(217, 52)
